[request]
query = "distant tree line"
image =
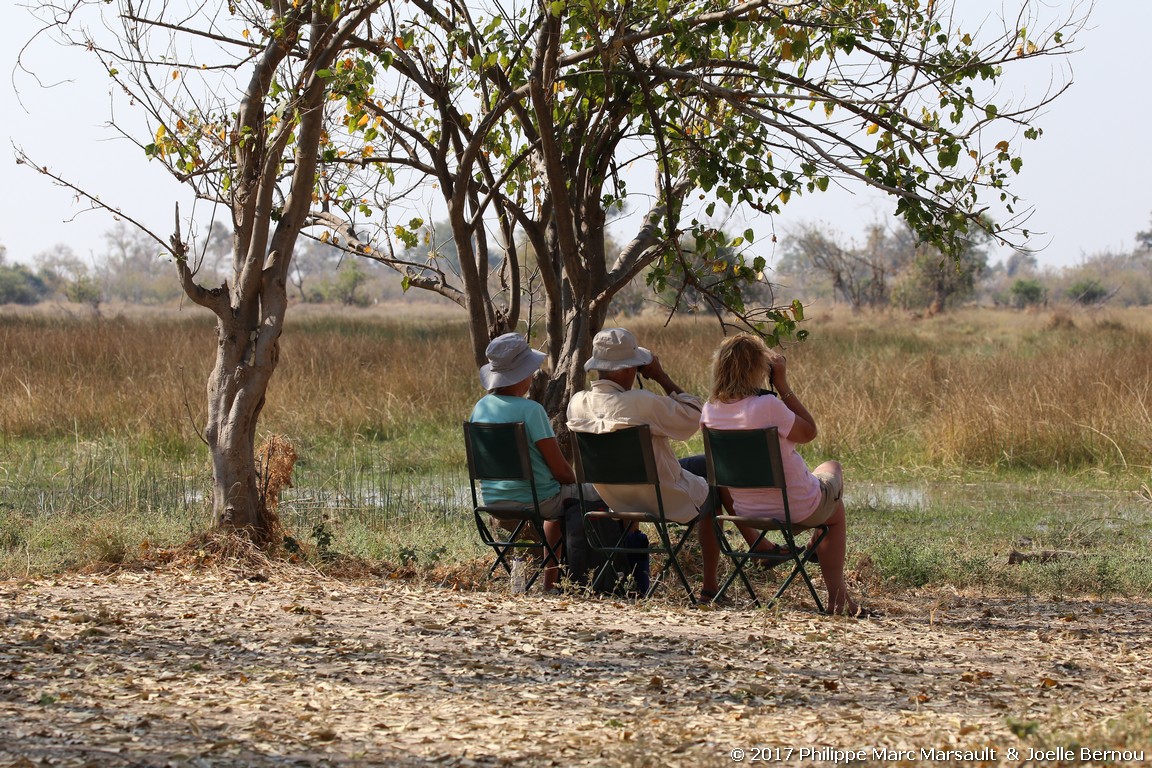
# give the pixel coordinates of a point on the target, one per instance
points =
(129, 268)
(888, 268)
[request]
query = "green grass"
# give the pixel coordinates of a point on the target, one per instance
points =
(961, 535)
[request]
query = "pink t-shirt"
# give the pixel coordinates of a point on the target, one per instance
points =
(803, 486)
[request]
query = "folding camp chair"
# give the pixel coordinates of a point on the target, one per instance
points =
(750, 458)
(624, 457)
(500, 452)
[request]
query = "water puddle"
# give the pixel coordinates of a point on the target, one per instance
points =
(905, 497)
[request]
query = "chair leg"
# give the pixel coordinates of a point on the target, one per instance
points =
(500, 547)
(739, 559)
(674, 558)
(800, 559)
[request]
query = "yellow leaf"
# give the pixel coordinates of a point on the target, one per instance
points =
(786, 51)
(873, 128)
(175, 74)
(161, 132)
(363, 121)
(245, 34)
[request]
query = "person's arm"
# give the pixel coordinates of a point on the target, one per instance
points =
(804, 427)
(554, 457)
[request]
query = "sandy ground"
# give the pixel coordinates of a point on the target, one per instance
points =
(208, 668)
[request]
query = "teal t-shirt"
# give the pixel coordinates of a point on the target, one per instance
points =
(498, 409)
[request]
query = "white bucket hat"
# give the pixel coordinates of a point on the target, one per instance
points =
(510, 361)
(616, 348)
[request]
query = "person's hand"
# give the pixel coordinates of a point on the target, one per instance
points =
(777, 369)
(651, 370)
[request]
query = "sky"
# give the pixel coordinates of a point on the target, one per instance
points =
(1087, 178)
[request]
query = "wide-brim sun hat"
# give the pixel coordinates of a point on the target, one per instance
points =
(510, 361)
(614, 349)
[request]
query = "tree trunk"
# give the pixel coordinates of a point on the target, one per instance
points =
(236, 392)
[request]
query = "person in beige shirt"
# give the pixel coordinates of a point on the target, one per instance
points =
(611, 403)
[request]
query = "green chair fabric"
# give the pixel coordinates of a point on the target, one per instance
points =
(750, 458)
(500, 452)
(625, 457)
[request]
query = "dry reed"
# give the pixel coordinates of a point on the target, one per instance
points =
(976, 389)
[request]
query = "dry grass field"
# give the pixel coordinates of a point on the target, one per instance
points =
(968, 391)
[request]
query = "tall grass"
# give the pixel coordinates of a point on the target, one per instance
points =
(972, 391)
(99, 449)
(969, 391)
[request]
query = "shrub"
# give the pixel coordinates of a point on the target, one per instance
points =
(1087, 291)
(1027, 292)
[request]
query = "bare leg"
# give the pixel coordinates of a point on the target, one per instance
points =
(709, 552)
(832, 552)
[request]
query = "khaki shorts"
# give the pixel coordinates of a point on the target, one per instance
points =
(831, 491)
(551, 508)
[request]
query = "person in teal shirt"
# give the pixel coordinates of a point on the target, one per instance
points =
(507, 376)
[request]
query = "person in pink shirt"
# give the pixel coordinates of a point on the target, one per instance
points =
(741, 366)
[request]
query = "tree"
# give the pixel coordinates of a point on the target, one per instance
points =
(531, 119)
(237, 107)
(1020, 263)
(930, 279)
(18, 284)
(344, 287)
(1144, 239)
(531, 122)
(68, 276)
(313, 260)
(132, 268)
(858, 274)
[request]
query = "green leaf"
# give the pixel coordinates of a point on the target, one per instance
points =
(749, 235)
(797, 310)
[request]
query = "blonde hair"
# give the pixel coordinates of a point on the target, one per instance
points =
(739, 368)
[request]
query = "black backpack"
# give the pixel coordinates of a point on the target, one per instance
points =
(583, 560)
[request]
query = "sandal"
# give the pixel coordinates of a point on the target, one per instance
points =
(774, 554)
(710, 597)
(861, 612)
